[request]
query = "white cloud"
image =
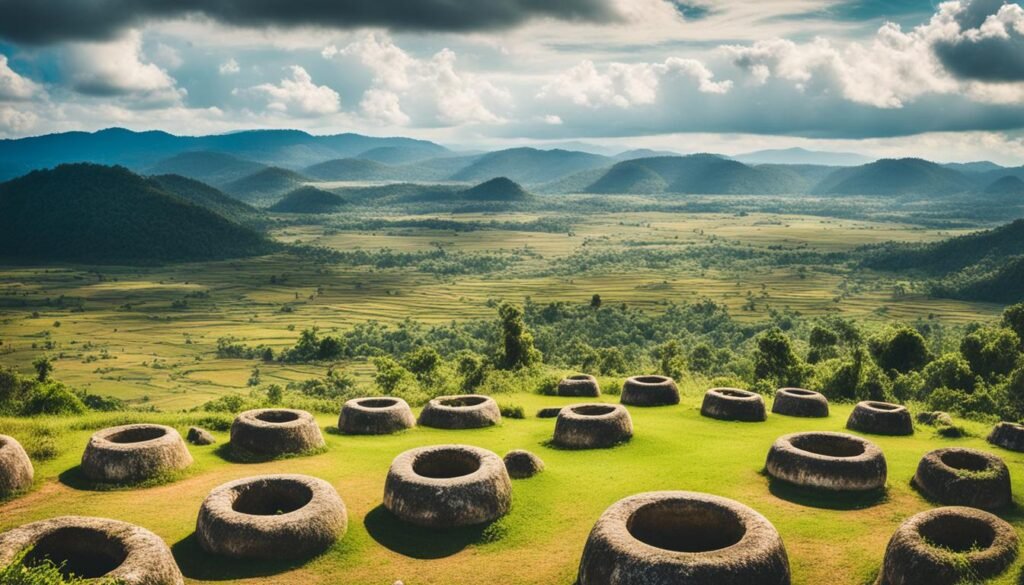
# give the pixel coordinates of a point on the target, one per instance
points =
(892, 69)
(229, 67)
(552, 120)
(15, 87)
(299, 96)
(16, 121)
(383, 105)
(167, 56)
(627, 84)
(434, 89)
(117, 68)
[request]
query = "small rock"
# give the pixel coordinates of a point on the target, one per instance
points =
(548, 412)
(522, 464)
(198, 436)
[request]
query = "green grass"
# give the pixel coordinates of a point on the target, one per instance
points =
(829, 539)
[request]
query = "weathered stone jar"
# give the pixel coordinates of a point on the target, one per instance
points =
(800, 402)
(592, 426)
(448, 486)
(835, 462)
(880, 418)
(375, 416)
(134, 453)
(94, 548)
(649, 391)
(1008, 436)
(271, 432)
(16, 471)
(468, 411)
(580, 385)
(271, 517)
(955, 476)
(949, 546)
(733, 404)
(671, 538)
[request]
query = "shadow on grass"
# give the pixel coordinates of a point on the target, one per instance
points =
(825, 499)
(75, 479)
(195, 563)
(235, 455)
(418, 542)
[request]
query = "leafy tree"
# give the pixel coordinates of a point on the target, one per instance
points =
(254, 377)
(991, 351)
(595, 301)
(671, 359)
(613, 361)
(823, 342)
(899, 349)
(424, 363)
(1013, 317)
(517, 342)
(949, 371)
(43, 366)
(275, 394)
(53, 398)
(775, 360)
(391, 376)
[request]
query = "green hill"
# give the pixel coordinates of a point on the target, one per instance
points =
(214, 168)
(950, 255)
(497, 189)
(269, 183)
(696, 174)
(400, 155)
(349, 169)
(104, 215)
(529, 165)
(210, 198)
(1008, 186)
(309, 200)
(895, 177)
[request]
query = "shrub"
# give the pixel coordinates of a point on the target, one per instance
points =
(512, 411)
(53, 398)
(900, 349)
(44, 573)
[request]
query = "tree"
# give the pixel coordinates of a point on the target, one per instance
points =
(595, 301)
(823, 343)
(991, 351)
(275, 394)
(254, 377)
(671, 361)
(1013, 317)
(423, 362)
(949, 371)
(43, 367)
(899, 349)
(518, 349)
(775, 360)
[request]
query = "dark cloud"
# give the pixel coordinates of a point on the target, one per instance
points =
(984, 58)
(50, 21)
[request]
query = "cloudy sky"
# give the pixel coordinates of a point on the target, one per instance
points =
(883, 77)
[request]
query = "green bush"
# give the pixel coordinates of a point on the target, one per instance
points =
(53, 398)
(44, 573)
(512, 411)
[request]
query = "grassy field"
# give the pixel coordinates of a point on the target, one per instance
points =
(539, 542)
(147, 334)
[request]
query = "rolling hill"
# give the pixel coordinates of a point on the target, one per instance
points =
(528, 165)
(1008, 186)
(404, 154)
(309, 200)
(895, 177)
(696, 174)
(497, 189)
(802, 156)
(206, 196)
(104, 215)
(954, 254)
(214, 168)
(269, 183)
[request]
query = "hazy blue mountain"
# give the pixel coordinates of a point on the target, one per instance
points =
(269, 183)
(358, 169)
(982, 166)
(643, 153)
(802, 156)
(896, 177)
(309, 200)
(529, 165)
(142, 150)
(1009, 185)
(99, 214)
(215, 168)
(405, 154)
(696, 174)
(209, 197)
